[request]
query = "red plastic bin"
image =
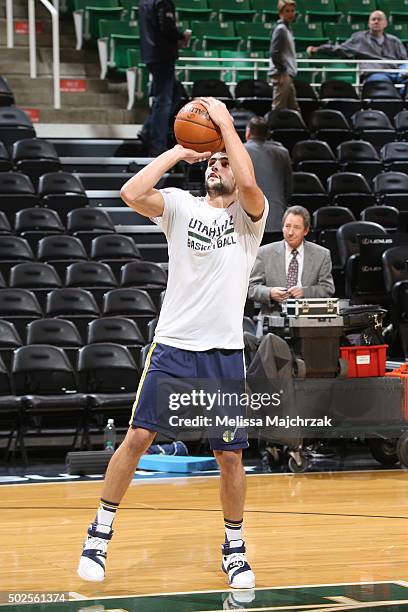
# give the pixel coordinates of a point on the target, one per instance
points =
(365, 361)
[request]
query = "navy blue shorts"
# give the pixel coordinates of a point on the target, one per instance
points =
(177, 369)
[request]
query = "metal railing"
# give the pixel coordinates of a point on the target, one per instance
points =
(53, 8)
(258, 67)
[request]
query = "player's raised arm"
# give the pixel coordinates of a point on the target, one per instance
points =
(139, 193)
(251, 197)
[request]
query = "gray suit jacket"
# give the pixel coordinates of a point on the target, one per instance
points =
(269, 271)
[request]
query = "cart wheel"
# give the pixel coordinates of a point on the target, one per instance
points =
(385, 450)
(343, 368)
(297, 468)
(402, 449)
(299, 368)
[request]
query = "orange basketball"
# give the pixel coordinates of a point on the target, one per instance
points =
(194, 129)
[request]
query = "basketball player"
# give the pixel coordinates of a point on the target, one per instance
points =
(199, 333)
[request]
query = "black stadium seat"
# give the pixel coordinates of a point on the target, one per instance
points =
(212, 87)
(16, 192)
(145, 275)
(15, 125)
(374, 126)
(73, 303)
(330, 126)
(351, 190)
(109, 376)
(347, 237)
(59, 251)
(287, 127)
(340, 96)
(306, 97)
(396, 282)
(254, 95)
(6, 94)
(5, 161)
(36, 223)
(10, 409)
(19, 306)
(382, 96)
(5, 227)
(315, 156)
(395, 266)
(308, 191)
(130, 303)
(13, 250)
(392, 189)
(37, 277)
(114, 249)
(401, 124)
(360, 156)
(10, 339)
(331, 217)
(58, 332)
(35, 157)
(44, 376)
(395, 156)
(387, 216)
(137, 273)
(61, 191)
(118, 330)
(94, 276)
(88, 220)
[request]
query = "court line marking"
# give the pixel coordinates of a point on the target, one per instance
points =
(343, 600)
(146, 507)
(77, 596)
(267, 588)
(365, 604)
(159, 480)
(323, 607)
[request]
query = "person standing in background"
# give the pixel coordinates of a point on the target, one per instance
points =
(273, 170)
(282, 58)
(160, 40)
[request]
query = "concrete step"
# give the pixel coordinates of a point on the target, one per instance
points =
(71, 55)
(20, 85)
(67, 55)
(20, 10)
(44, 40)
(66, 27)
(67, 69)
(74, 100)
(89, 115)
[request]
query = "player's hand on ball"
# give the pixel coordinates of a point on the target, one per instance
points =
(190, 156)
(218, 111)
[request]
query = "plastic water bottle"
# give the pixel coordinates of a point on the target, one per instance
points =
(109, 436)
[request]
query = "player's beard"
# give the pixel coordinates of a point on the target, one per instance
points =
(218, 189)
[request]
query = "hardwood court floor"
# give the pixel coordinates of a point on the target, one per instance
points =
(300, 529)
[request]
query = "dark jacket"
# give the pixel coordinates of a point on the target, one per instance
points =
(159, 35)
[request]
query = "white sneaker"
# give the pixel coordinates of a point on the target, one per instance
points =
(236, 566)
(92, 562)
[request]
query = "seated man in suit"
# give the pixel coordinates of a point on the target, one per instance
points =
(291, 268)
